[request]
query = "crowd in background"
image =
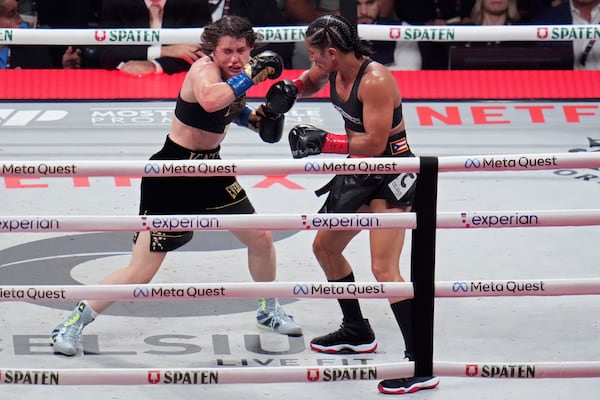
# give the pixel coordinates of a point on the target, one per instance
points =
(577, 54)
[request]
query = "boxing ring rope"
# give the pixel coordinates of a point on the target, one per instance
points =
(422, 284)
(292, 222)
(316, 374)
(309, 290)
(321, 166)
(283, 34)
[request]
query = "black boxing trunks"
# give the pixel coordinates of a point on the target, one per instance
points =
(347, 193)
(188, 195)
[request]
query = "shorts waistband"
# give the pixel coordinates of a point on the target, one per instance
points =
(183, 153)
(397, 146)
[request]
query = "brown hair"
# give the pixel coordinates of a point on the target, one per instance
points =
(237, 27)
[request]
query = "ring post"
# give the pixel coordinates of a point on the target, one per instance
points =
(423, 265)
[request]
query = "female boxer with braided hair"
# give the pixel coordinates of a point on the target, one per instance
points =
(211, 97)
(367, 96)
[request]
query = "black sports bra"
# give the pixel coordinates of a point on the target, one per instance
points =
(352, 109)
(194, 115)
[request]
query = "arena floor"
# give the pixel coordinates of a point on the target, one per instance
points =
(177, 334)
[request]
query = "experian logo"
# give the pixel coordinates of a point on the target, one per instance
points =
(12, 117)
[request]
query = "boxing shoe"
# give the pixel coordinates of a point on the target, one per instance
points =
(270, 315)
(352, 337)
(66, 337)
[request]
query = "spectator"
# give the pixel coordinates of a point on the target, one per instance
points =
(586, 53)
(259, 13)
(28, 56)
(495, 12)
(490, 12)
(393, 54)
(538, 7)
(65, 14)
(303, 12)
(433, 12)
(143, 60)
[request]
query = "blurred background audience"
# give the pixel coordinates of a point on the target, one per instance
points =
(585, 54)
(393, 54)
(259, 13)
(155, 14)
(30, 56)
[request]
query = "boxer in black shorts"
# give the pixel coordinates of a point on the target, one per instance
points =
(189, 195)
(368, 99)
(212, 96)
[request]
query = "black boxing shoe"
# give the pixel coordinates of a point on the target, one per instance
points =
(352, 337)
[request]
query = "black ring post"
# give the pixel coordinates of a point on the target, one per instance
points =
(423, 265)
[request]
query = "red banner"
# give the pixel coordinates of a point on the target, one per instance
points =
(415, 85)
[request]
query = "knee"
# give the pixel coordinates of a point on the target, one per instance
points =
(385, 273)
(262, 241)
(321, 250)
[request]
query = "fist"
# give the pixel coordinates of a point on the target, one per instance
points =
(281, 97)
(266, 65)
(306, 140)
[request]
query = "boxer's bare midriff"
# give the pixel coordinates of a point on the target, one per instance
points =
(194, 138)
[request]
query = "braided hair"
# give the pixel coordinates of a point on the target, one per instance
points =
(336, 31)
(237, 27)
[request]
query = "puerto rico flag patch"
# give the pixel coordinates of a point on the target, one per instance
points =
(398, 146)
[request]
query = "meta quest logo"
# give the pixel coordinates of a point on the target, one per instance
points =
(50, 261)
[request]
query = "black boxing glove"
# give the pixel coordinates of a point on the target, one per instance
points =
(307, 140)
(271, 128)
(281, 97)
(268, 125)
(266, 65)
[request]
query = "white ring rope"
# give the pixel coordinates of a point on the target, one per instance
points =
(341, 221)
(323, 166)
(313, 290)
(305, 374)
(473, 219)
(282, 34)
(135, 223)
(202, 291)
(206, 376)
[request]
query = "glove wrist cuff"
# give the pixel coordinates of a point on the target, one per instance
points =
(335, 144)
(299, 85)
(240, 83)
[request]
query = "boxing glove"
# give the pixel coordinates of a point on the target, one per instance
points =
(268, 125)
(307, 140)
(281, 97)
(266, 65)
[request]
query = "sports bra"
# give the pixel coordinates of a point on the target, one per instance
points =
(194, 115)
(352, 109)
